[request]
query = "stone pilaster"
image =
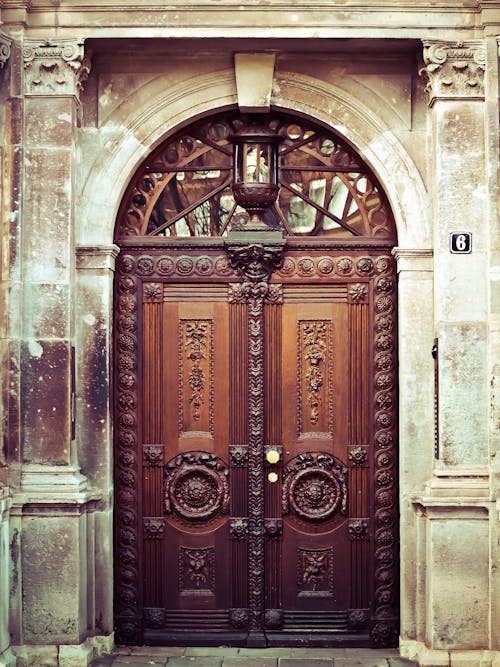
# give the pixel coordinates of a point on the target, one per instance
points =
(53, 517)
(453, 593)
(53, 75)
(455, 83)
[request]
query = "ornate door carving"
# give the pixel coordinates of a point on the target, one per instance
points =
(255, 445)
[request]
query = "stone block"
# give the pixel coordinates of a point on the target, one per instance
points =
(36, 656)
(7, 659)
(254, 80)
(75, 656)
(50, 121)
(45, 401)
(463, 394)
(458, 583)
(48, 206)
(47, 310)
(52, 579)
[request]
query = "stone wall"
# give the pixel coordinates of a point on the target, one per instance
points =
(87, 92)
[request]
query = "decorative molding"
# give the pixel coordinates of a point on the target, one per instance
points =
(5, 44)
(454, 70)
(55, 67)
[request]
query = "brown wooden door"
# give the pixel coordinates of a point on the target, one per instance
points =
(226, 545)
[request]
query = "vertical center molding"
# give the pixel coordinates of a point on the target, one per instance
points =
(255, 263)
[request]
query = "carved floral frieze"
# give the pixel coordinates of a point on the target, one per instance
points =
(454, 69)
(55, 67)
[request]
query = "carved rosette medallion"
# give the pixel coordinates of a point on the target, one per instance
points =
(454, 70)
(154, 527)
(315, 486)
(358, 529)
(57, 67)
(238, 529)
(196, 486)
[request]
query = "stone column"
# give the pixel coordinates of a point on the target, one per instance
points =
(53, 511)
(455, 503)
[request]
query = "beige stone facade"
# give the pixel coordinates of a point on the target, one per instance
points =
(87, 91)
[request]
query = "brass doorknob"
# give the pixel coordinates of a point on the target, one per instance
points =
(272, 456)
(272, 477)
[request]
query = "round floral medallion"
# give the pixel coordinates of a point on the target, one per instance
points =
(165, 266)
(196, 486)
(325, 265)
(315, 494)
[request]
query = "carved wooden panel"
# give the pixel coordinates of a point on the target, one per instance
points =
(213, 372)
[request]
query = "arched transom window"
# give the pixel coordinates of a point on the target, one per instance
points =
(184, 188)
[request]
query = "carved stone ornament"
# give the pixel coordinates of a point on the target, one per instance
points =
(5, 42)
(196, 486)
(454, 70)
(315, 486)
(55, 67)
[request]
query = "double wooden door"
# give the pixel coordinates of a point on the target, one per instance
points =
(255, 456)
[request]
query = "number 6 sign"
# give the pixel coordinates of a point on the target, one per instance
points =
(461, 242)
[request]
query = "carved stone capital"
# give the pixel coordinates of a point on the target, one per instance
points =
(5, 42)
(55, 67)
(454, 70)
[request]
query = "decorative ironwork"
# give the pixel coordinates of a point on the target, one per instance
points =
(197, 569)
(184, 187)
(315, 486)
(196, 486)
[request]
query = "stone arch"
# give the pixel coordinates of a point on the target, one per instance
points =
(142, 131)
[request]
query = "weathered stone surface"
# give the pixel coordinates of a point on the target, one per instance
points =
(52, 572)
(45, 401)
(459, 583)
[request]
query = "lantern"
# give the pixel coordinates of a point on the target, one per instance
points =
(255, 184)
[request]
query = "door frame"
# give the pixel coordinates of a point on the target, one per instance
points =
(155, 261)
